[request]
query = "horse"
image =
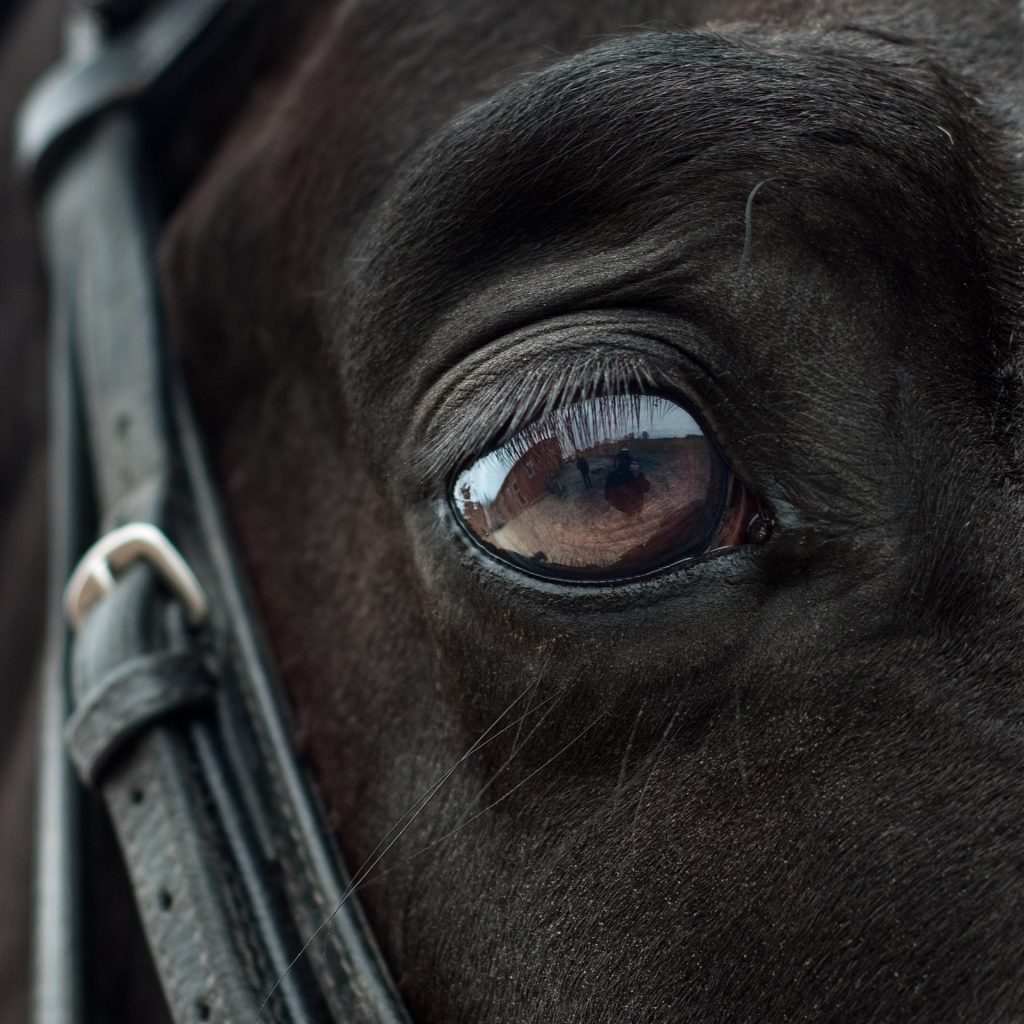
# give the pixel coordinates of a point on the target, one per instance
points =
(772, 779)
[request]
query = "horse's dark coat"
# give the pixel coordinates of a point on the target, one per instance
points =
(782, 785)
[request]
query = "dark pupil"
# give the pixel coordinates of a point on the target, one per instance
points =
(604, 488)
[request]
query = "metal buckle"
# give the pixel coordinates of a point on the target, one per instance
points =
(96, 574)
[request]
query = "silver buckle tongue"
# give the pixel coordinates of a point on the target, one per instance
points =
(96, 574)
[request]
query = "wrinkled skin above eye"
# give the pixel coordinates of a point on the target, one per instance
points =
(603, 488)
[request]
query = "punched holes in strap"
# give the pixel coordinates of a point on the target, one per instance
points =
(148, 688)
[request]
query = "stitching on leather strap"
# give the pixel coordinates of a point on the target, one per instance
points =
(301, 859)
(252, 956)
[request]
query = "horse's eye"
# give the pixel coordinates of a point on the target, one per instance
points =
(606, 488)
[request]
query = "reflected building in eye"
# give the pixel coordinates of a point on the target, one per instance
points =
(531, 477)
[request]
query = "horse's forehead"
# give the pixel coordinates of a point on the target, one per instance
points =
(633, 169)
(291, 196)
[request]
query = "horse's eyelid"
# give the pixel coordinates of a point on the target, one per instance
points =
(481, 424)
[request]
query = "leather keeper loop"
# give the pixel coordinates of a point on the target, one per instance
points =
(137, 694)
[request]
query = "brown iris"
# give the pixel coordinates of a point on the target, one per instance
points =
(604, 488)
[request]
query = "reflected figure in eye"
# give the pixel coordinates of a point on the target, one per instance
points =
(584, 467)
(625, 485)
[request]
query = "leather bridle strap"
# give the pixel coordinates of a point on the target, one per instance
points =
(163, 691)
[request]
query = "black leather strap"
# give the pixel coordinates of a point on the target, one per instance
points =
(180, 729)
(345, 963)
(208, 954)
(157, 54)
(133, 696)
(57, 945)
(176, 854)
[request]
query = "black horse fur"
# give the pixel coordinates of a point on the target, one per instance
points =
(780, 785)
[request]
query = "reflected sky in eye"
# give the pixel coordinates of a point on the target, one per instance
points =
(582, 426)
(603, 487)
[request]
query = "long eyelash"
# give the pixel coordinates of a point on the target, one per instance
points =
(526, 395)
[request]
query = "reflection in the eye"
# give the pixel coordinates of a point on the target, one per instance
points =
(605, 487)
